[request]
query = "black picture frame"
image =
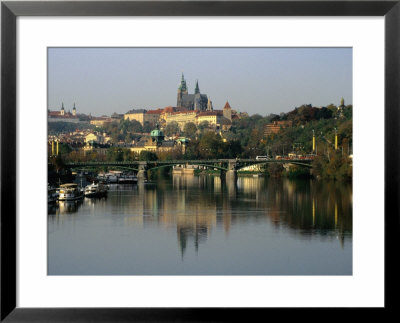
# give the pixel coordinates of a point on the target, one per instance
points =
(10, 10)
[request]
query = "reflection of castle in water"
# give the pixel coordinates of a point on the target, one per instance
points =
(194, 206)
(196, 231)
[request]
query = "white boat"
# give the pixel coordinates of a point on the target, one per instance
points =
(52, 195)
(70, 192)
(102, 177)
(95, 190)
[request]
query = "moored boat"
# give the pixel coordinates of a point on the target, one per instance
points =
(102, 177)
(95, 190)
(52, 195)
(112, 178)
(70, 192)
(127, 179)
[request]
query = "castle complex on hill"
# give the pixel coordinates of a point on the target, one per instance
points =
(195, 108)
(196, 101)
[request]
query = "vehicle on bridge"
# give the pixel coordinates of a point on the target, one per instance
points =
(262, 158)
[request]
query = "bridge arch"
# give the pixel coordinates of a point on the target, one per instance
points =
(125, 167)
(90, 168)
(273, 161)
(174, 164)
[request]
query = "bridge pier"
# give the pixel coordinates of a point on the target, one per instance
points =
(231, 185)
(142, 173)
(231, 173)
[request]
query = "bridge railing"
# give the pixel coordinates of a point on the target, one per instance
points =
(208, 161)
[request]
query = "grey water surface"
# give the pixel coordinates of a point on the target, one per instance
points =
(200, 225)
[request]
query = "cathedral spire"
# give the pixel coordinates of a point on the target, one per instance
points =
(197, 90)
(182, 86)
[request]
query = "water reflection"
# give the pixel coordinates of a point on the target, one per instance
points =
(194, 206)
(64, 207)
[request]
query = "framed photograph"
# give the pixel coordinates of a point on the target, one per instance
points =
(200, 159)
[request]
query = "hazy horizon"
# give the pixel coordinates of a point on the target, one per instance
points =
(254, 80)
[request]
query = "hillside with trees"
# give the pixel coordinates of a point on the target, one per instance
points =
(247, 138)
(297, 139)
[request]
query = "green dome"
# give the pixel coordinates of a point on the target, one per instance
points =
(157, 135)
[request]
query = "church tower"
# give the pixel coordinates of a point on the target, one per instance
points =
(74, 110)
(62, 111)
(227, 111)
(182, 90)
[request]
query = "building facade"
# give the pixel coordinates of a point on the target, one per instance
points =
(221, 119)
(101, 121)
(181, 118)
(276, 126)
(135, 114)
(142, 115)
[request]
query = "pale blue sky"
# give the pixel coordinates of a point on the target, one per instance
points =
(256, 80)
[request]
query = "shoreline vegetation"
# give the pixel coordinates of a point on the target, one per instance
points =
(325, 133)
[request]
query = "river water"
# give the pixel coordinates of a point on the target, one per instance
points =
(198, 225)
